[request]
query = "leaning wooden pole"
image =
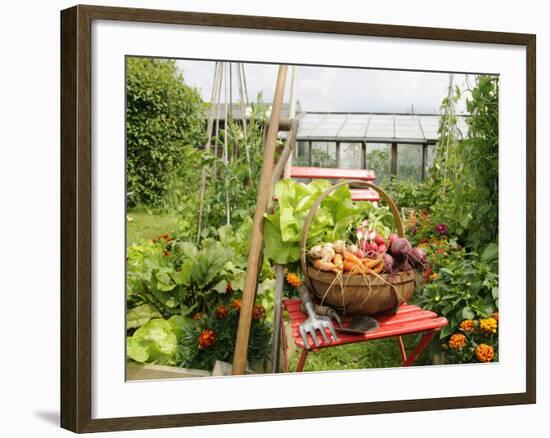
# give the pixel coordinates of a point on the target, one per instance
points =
(256, 244)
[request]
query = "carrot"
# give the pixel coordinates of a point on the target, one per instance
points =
(352, 267)
(370, 263)
(350, 257)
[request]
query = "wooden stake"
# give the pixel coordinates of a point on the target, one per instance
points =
(255, 251)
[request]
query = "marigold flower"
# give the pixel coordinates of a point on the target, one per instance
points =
(207, 338)
(488, 326)
(221, 311)
(258, 312)
(236, 304)
(467, 326)
(293, 280)
(197, 316)
(485, 353)
(457, 341)
(434, 276)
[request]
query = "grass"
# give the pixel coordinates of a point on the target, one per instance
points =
(143, 225)
(381, 353)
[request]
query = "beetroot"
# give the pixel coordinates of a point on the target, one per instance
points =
(417, 257)
(391, 239)
(388, 263)
(401, 248)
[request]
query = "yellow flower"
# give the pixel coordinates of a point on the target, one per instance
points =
(293, 280)
(467, 326)
(434, 276)
(457, 341)
(485, 353)
(488, 325)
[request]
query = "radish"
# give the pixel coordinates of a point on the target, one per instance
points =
(379, 240)
(360, 254)
(382, 248)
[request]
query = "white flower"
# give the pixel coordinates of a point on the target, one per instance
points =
(248, 111)
(268, 114)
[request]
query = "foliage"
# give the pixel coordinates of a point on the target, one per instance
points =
(466, 170)
(410, 194)
(156, 341)
(232, 172)
(213, 336)
(379, 160)
(283, 228)
(164, 126)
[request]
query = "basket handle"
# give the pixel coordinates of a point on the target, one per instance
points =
(321, 198)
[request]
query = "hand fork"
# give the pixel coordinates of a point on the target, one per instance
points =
(314, 322)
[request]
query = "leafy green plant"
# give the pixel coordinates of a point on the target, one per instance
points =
(465, 170)
(463, 286)
(164, 127)
(213, 338)
(283, 228)
(156, 341)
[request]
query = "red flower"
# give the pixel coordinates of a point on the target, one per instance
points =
(441, 229)
(221, 311)
(207, 338)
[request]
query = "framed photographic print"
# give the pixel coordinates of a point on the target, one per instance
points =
(258, 212)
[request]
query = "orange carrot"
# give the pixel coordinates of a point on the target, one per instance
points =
(350, 257)
(338, 260)
(351, 267)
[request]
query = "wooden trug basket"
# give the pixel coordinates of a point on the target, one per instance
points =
(357, 294)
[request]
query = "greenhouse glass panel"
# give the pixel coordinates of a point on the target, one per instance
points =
(379, 160)
(409, 162)
(323, 154)
(350, 156)
(301, 157)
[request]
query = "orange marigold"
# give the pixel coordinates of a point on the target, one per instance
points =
(467, 326)
(236, 304)
(457, 341)
(485, 353)
(258, 312)
(221, 311)
(207, 338)
(293, 280)
(488, 325)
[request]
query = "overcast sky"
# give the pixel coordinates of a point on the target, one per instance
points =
(338, 89)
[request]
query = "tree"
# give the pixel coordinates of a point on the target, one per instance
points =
(164, 119)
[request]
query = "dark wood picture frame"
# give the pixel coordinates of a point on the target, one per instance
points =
(76, 217)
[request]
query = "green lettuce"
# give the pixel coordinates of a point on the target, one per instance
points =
(283, 228)
(153, 342)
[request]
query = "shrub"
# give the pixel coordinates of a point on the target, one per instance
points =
(164, 118)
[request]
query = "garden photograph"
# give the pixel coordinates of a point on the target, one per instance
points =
(306, 218)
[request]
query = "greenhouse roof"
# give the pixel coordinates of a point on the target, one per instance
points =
(372, 127)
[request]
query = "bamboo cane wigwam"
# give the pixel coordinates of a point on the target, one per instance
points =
(357, 294)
